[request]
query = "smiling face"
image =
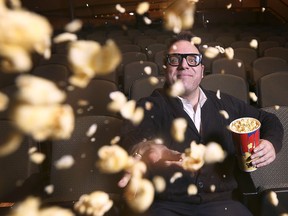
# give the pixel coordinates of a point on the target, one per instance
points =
(190, 76)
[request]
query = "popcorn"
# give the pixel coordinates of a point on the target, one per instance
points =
(31, 206)
(176, 89)
(115, 140)
(175, 176)
(153, 80)
(229, 6)
(64, 37)
(21, 33)
(193, 158)
(37, 157)
(147, 20)
(45, 121)
(244, 125)
(192, 189)
(253, 96)
(196, 40)
(214, 153)
(38, 91)
(218, 94)
(212, 188)
(159, 183)
(148, 70)
(118, 101)
(224, 114)
(89, 59)
(131, 112)
(65, 162)
(10, 144)
(97, 204)
(142, 8)
(272, 198)
(4, 100)
(211, 52)
(178, 129)
(49, 189)
(137, 168)
(112, 159)
(92, 130)
(229, 52)
(120, 8)
(139, 194)
(74, 26)
(179, 15)
(253, 43)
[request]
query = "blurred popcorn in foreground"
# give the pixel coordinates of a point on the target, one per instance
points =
(192, 189)
(11, 143)
(224, 114)
(97, 204)
(142, 8)
(193, 158)
(38, 91)
(180, 15)
(175, 176)
(211, 52)
(176, 89)
(22, 33)
(31, 206)
(38, 111)
(37, 157)
(159, 183)
(65, 162)
(229, 52)
(198, 154)
(178, 129)
(214, 153)
(74, 25)
(89, 59)
(4, 100)
(272, 198)
(253, 96)
(139, 194)
(112, 159)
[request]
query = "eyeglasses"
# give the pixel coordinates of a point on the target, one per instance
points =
(193, 59)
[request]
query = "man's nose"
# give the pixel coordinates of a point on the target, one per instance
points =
(183, 63)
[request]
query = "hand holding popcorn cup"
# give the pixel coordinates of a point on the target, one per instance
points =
(246, 135)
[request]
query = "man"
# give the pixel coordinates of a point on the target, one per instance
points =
(201, 109)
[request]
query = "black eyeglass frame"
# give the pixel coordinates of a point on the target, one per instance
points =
(181, 56)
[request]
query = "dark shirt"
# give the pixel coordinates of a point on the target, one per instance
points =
(157, 123)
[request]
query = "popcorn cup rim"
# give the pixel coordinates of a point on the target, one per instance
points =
(237, 132)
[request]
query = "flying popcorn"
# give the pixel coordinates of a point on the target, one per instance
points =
(22, 33)
(42, 121)
(37, 157)
(179, 15)
(211, 52)
(196, 40)
(32, 206)
(193, 158)
(192, 189)
(112, 159)
(142, 8)
(92, 130)
(175, 176)
(159, 183)
(89, 59)
(214, 153)
(131, 112)
(253, 43)
(97, 204)
(38, 91)
(4, 100)
(118, 101)
(218, 94)
(229, 52)
(224, 114)
(74, 26)
(178, 129)
(64, 37)
(253, 96)
(65, 162)
(176, 89)
(272, 198)
(49, 189)
(39, 111)
(120, 8)
(11, 143)
(139, 194)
